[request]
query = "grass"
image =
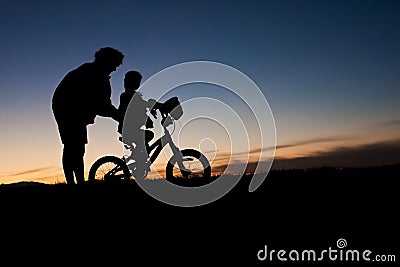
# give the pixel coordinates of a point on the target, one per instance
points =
(292, 209)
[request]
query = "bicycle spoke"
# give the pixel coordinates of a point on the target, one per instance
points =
(109, 168)
(190, 163)
(105, 169)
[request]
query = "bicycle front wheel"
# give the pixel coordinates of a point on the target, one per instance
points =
(109, 168)
(197, 170)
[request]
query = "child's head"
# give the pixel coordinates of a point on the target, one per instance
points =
(132, 80)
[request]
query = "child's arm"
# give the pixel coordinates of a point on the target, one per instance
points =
(153, 105)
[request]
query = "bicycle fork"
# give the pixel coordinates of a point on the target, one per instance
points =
(177, 155)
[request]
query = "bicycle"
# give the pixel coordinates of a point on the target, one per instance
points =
(185, 167)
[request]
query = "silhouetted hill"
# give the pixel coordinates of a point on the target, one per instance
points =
(292, 209)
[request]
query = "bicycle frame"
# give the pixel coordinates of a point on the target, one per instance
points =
(156, 148)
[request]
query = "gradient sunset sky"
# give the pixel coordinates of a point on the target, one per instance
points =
(330, 71)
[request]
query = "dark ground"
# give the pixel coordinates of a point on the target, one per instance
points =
(122, 225)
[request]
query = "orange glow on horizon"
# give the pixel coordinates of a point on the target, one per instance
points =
(42, 161)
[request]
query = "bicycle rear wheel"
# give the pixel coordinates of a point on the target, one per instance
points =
(196, 163)
(109, 169)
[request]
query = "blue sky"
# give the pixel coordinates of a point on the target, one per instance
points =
(327, 68)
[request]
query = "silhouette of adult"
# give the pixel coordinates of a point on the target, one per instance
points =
(82, 94)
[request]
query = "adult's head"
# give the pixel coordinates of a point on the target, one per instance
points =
(132, 80)
(108, 59)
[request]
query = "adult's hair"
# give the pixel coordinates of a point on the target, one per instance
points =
(108, 55)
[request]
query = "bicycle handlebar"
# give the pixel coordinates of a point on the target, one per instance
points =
(166, 119)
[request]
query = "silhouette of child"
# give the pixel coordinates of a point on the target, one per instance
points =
(133, 131)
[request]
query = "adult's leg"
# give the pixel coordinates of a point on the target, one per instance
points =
(73, 162)
(79, 164)
(74, 138)
(68, 164)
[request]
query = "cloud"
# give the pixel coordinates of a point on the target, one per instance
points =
(327, 139)
(382, 126)
(380, 153)
(316, 141)
(386, 152)
(389, 123)
(29, 171)
(227, 155)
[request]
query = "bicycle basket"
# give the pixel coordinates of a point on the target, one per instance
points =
(173, 107)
